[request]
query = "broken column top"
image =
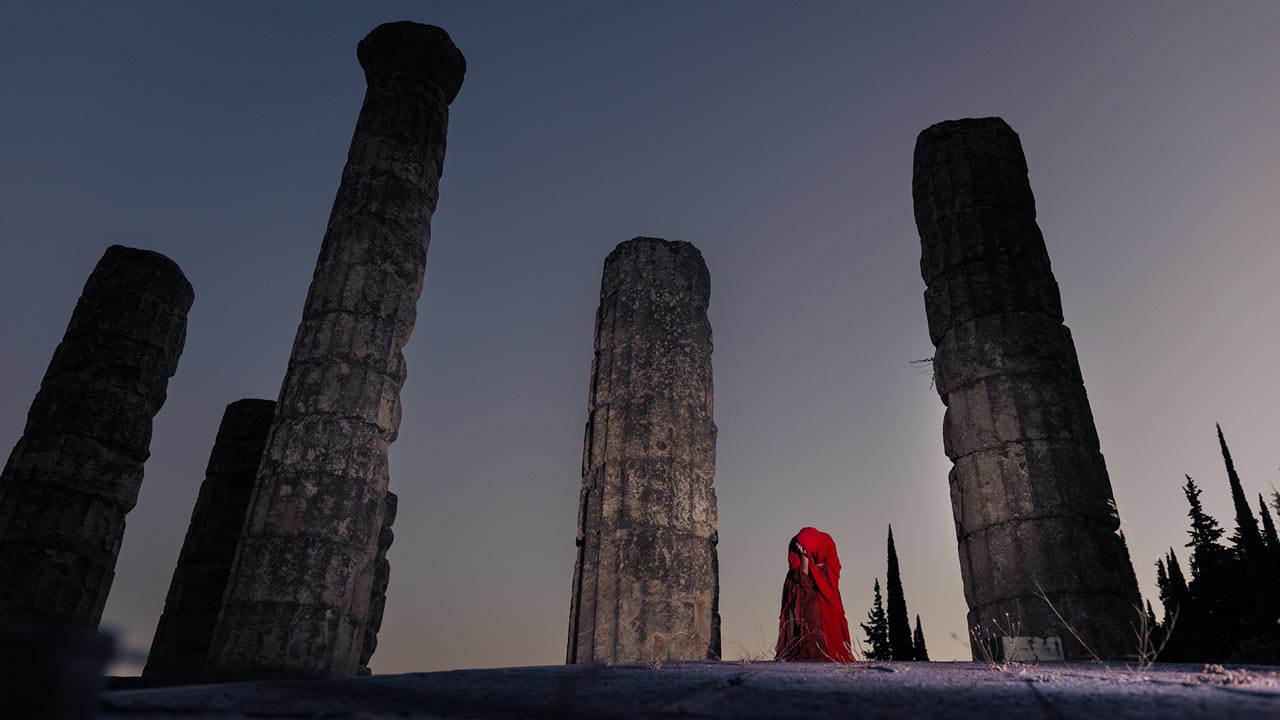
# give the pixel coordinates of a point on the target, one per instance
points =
(248, 418)
(986, 153)
(133, 302)
(656, 261)
(971, 135)
(145, 271)
(410, 47)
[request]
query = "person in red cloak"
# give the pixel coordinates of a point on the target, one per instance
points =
(812, 626)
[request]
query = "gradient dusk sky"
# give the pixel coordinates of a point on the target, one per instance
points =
(778, 138)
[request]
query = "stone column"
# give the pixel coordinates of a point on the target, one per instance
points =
(381, 581)
(298, 597)
(646, 581)
(1033, 505)
(181, 642)
(77, 469)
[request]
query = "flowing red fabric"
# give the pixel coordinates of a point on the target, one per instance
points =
(798, 601)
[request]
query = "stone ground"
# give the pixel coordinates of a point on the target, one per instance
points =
(736, 690)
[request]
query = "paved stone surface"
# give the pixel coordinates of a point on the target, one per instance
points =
(1032, 501)
(300, 591)
(646, 579)
(181, 642)
(76, 472)
(732, 690)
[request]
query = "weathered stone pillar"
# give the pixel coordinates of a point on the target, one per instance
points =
(381, 581)
(646, 581)
(299, 592)
(1032, 501)
(181, 642)
(77, 470)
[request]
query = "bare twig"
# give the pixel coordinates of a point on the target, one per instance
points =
(1040, 593)
(984, 641)
(1148, 653)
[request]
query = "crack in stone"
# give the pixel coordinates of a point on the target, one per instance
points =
(1025, 441)
(1037, 518)
(1050, 710)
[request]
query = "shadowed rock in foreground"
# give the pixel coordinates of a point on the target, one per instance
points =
(298, 601)
(945, 691)
(1030, 493)
(646, 581)
(181, 642)
(77, 469)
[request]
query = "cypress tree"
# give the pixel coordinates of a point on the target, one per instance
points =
(1218, 601)
(1275, 500)
(1256, 585)
(1153, 625)
(1268, 527)
(1204, 532)
(877, 629)
(1155, 631)
(922, 652)
(1270, 587)
(1175, 597)
(899, 623)
(1177, 582)
(1166, 591)
(1247, 539)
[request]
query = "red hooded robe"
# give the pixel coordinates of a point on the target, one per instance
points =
(812, 625)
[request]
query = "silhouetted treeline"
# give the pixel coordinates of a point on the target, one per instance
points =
(1228, 609)
(889, 635)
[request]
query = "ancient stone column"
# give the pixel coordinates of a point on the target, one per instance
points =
(195, 594)
(646, 580)
(1032, 501)
(77, 470)
(298, 597)
(381, 581)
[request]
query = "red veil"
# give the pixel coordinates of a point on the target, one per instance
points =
(822, 551)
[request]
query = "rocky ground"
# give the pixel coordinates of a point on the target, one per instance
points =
(736, 690)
